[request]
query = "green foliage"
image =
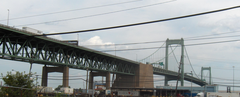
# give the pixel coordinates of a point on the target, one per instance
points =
(58, 95)
(80, 90)
(60, 86)
(1, 93)
(16, 82)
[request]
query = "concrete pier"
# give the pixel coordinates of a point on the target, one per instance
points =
(63, 69)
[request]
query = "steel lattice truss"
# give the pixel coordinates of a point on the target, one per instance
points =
(16, 44)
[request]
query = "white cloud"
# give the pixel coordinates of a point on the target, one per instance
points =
(188, 27)
(96, 40)
(222, 24)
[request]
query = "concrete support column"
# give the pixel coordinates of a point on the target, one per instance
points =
(65, 76)
(91, 80)
(44, 76)
(166, 81)
(108, 80)
(64, 70)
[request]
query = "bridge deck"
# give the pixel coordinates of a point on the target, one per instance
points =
(20, 45)
(174, 75)
(25, 46)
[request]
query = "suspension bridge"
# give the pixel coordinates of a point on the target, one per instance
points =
(20, 45)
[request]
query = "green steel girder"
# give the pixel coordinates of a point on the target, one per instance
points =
(43, 50)
(19, 45)
(173, 75)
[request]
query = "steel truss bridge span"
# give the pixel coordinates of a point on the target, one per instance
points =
(20, 45)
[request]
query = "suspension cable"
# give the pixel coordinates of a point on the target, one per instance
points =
(191, 63)
(153, 52)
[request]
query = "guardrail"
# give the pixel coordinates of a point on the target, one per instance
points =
(162, 71)
(34, 34)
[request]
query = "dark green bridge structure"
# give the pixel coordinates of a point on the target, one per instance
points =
(20, 45)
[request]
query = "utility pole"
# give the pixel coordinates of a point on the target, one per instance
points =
(191, 84)
(31, 62)
(115, 50)
(8, 17)
(113, 78)
(36, 79)
(87, 82)
(78, 39)
(233, 79)
(179, 69)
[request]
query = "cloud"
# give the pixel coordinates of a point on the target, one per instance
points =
(96, 40)
(176, 29)
(222, 23)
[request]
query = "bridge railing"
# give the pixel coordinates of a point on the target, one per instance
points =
(162, 71)
(52, 52)
(169, 72)
(21, 30)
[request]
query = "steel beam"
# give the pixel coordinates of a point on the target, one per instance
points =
(19, 45)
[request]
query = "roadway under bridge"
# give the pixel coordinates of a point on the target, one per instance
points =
(20, 45)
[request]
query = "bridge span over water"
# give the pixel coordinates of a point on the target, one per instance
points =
(20, 45)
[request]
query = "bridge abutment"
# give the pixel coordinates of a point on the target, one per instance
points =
(64, 70)
(143, 78)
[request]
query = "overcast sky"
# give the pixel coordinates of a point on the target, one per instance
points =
(51, 16)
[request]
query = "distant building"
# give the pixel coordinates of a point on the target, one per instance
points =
(41, 89)
(73, 42)
(208, 88)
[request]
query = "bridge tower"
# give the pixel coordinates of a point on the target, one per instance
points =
(170, 42)
(210, 75)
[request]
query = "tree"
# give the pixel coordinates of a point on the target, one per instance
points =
(58, 88)
(80, 90)
(15, 84)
